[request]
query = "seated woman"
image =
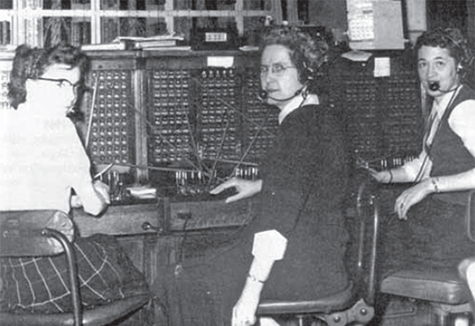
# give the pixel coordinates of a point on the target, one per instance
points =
(433, 234)
(42, 162)
(294, 247)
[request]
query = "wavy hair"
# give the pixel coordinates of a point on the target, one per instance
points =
(307, 53)
(31, 63)
(451, 39)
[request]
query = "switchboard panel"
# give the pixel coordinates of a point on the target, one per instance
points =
(383, 114)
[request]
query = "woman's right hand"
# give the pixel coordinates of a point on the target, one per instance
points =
(103, 190)
(380, 176)
(244, 188)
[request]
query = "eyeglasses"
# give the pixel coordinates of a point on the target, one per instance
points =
(63, 83)
(277, 69)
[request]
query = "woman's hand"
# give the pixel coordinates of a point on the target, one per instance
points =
(75, 201)
(412, 196)
(103, 190)
(380, 176)
(244, 311)
(244, 188)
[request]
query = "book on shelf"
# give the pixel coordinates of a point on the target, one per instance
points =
(150, 41)
(148, 38)
(154, 44)
(138, 43)
(168, 48)
(105, 46)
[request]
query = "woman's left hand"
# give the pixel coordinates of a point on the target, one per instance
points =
(410, 197)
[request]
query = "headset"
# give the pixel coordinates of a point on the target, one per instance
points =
(466, 58)
(306, 75)
(435, 86)
(264, 95)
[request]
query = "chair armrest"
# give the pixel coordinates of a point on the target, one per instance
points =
(470, 217)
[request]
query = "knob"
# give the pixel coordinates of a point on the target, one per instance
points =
(147, 226)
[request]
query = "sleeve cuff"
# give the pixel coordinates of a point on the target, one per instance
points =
(269, 245)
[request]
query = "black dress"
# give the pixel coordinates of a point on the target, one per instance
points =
(304, 179)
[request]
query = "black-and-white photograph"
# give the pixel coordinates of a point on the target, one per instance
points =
(237, 162)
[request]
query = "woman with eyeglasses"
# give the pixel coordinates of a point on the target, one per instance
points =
(293, 248)
(42, 162)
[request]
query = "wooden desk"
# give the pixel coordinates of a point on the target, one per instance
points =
(209, 223)
(121, 220)
(126, 222)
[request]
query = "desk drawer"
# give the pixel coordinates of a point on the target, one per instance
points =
(202, 215)
(120, 220)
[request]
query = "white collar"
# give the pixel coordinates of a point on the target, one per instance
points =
(297, 102)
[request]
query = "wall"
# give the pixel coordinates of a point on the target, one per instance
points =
(328, 13)
(471, 22)
(332, 14)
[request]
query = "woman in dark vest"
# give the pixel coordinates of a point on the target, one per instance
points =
(434, 206)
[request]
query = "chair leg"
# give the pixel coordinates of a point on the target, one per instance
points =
(442, 319)
(444, 312)
(462, 320)
(73, 273)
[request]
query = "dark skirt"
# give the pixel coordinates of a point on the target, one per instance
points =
(202, 291)
(434, 236)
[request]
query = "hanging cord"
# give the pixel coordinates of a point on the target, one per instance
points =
(91, 112)
(181, 252)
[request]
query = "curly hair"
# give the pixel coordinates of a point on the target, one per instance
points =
(31, 63)
(307, 53)
(452, 40)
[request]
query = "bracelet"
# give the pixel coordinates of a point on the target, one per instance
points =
(390, 177)
(254, 279)
(435, 183)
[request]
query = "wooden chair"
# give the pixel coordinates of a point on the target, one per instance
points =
(355, 304)
(444, 291)
(23, 234)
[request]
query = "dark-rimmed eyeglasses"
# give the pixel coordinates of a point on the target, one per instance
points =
(63, 83)
(277, 69)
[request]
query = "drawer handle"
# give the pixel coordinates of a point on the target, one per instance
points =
(147, 226)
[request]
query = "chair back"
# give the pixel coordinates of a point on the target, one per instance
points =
(22, 232)
(41, 233)
(355, 304)
(368, 223)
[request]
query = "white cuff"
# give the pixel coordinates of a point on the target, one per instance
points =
(269, 245)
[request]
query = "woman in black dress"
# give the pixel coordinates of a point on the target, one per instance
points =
(293, 249)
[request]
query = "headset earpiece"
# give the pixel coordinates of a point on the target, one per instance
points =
(307, 73)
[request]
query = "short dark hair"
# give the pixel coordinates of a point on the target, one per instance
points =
(31, 63)
(307, 53)
(451, 39)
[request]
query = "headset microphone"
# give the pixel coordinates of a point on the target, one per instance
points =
(263, 95)
(434, 86)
